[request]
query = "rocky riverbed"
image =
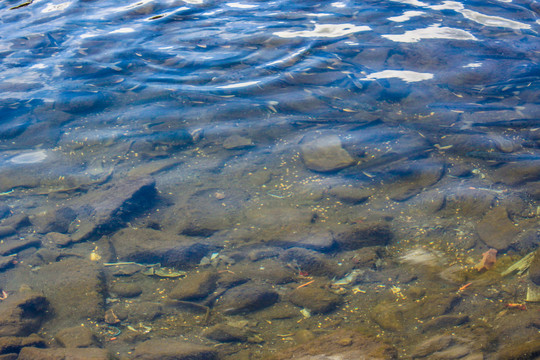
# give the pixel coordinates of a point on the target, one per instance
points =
(340, 245)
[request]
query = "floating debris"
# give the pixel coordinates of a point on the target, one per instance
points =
(164, 272)
(94, 256)
(152, 269)
(520, 266)
(350, 278)
(423, 257)
(488, 260)
(533, 293)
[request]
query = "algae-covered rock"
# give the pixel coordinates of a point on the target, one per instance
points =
(314, 298)
(388, 316)
(22, 313)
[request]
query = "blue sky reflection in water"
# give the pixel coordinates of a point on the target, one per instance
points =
(273, 171)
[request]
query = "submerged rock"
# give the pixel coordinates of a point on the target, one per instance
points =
(75, 289)
(58, 239)
(278, 224)
(225, 333)
(515, 173)
(22, 313)
(14, 344)
(169, 349)
(388, 315)
(208, 211)
(351, 194)
(342, 344)
(373, 233)
(13, 246)
(468, 202)
(534, 269)
(431, 345)
(54, 220)
(76, 337)
(246, 298)
(6, 231)
(143, 311)
(315, 299)
(524, 350)
(32, 353)
(6, 262)
(496, 230)
(151, 246)
(309, 261)
(104, 211)
(412, 177)
(196, 286)
(444, 321)
(126, 290)
(325, 154)
(4, 211)
(455, 352)
(236, 142)
(316, 240)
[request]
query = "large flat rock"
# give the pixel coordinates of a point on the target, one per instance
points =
(75, 289)
(103, 211)
(151, 246)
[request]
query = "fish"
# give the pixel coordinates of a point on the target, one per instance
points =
(488, 260)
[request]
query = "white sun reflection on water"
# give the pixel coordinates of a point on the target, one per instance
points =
(29, 158)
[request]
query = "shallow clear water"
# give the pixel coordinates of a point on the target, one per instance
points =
(377, 148)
